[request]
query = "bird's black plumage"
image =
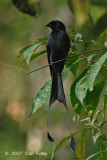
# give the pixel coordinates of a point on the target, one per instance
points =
(58, 45)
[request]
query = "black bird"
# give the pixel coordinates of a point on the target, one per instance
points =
(58, 45)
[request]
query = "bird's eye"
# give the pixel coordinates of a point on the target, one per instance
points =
(57, 24)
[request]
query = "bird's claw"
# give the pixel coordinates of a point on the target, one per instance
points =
(51, 63)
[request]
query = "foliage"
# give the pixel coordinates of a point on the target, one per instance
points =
(85, 91)
(26, 6)
(90, 85)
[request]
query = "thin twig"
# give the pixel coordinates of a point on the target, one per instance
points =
(9, 65)
(18, 77)
(94, 50)
(58, 62)
(81, 54)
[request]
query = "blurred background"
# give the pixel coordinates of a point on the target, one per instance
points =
(21, 134)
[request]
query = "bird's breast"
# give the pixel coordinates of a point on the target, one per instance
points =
(57, 40)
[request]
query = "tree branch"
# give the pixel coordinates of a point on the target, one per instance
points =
(86, 52)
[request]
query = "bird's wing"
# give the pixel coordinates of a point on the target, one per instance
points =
(48, 55)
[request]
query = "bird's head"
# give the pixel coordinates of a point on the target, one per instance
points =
(56, 25)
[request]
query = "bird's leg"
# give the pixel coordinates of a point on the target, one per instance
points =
(54, 67)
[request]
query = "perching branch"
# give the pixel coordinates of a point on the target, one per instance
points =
(86, 52)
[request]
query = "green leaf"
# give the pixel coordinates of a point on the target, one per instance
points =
(95, 137)
(79, 108)
(103, 38)
(104, 33)
(85, 119)
(103, 137)
(26, 6)
(79, 37)
(44, 93)
(102, 123)
(74, 99)
(99, 136)
(92, 73)
(42, 97)
(22, 51)
(92, 98)
(95, 154)
(89, 58)
(37, 54)
(81, 89)
(104, 103)
(97, 113)
(80, 152)
(72, 63)
(63, 141)
(29, 50)
(23, 62)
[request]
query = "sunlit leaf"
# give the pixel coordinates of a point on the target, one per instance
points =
(95, 137)
(99, 136)
(28, 51)
(89, 58)
(42, 97)
(23, 62)
(85, 119)
(80, 152)
(44, 93)
(93, 71)
(79, 37)
(23, 50)
(81, 89)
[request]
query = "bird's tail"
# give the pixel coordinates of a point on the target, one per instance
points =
(57, 93)
(57, 90)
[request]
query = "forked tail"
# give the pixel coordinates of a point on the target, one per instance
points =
(57, 90)
(57, 93)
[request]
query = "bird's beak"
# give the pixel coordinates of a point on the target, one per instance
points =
(48, 25)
